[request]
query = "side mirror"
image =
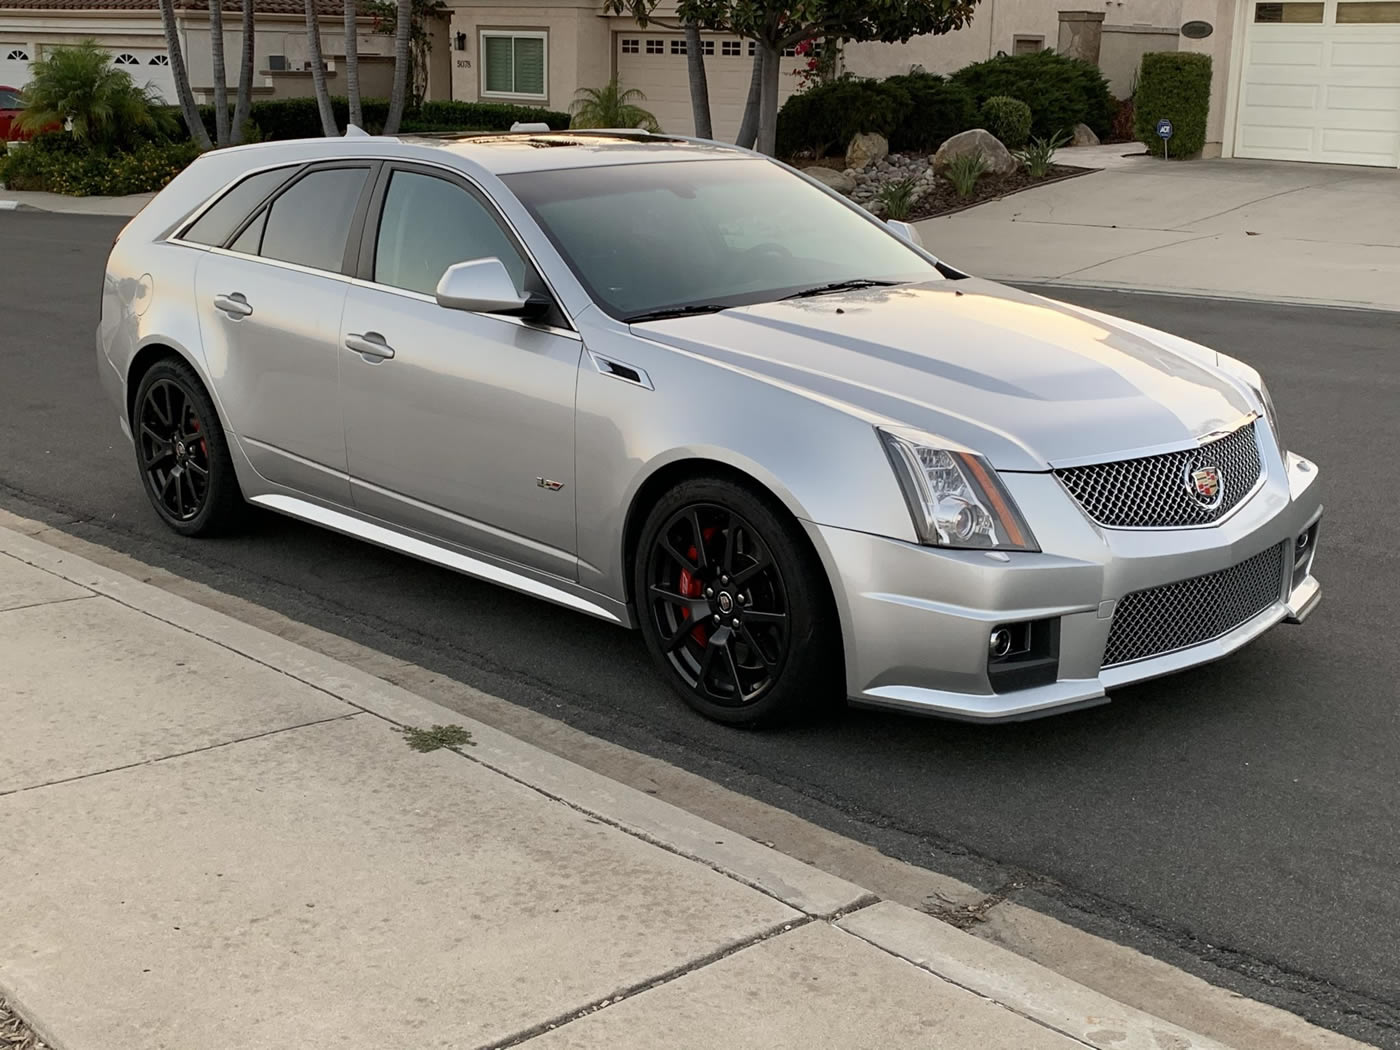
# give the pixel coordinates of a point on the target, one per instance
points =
(484, 286)
(905, 230)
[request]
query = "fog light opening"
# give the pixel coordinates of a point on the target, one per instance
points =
(999, 645)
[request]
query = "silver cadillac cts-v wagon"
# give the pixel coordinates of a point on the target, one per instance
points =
(678, 386)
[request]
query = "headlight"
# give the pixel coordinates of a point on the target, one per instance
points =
(954, 497)
(1271, 415)
(1255, 382)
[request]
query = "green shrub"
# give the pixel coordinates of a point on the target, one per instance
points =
(1061, 92)
(101, 103)
(1040, 154)
(964, 170)
(897, 197)
(938, 109)
(828, 116)
(1009, 119)
(299, 118)
(45, 165)
(1175, 85)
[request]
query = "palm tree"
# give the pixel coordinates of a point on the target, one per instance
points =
(699, 82)
(403, 61)
(611, 107)
(216, 48)
(106, 107)
(244, 106)
(352, 63)
(748, 126)
(181, 76)
(329, 128)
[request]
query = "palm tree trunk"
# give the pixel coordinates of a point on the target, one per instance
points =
(216, 56)
(768, 99)
(329, 127)
(181, 76)
(244, 106)
(352, 64)
(699, 83)
(403, 30)
(748, 127)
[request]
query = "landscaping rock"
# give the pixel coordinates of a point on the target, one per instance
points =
(838, 181)
(1084, 136)
(866, 149)
(997, 157)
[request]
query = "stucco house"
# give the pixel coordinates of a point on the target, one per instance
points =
(131, 30)
(1305, 80)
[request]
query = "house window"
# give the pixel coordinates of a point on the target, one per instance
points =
(159, 60)
(17, 56)
(126, 60)
(678, 47)
(789, 52)
(707, 46)
(514, 64)
(1385, 12)
(1307, 13)
(631, 46)
(729, 49)
(656, 47)
(1027, 45)
(753, 48)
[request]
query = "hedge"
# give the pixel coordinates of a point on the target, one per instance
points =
(938, 110)
(828, 116)
(1009, 119)
(57, 163)
(300, 118)
(1175, 85)
(1061, 92)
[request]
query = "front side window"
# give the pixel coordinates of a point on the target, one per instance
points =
(224, 216)
(646, 237)
(310, 223)
(514, 64)
(427, 225)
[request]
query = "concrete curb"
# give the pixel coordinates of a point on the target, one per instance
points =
(1025, 987)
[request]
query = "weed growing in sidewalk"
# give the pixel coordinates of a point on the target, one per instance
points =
(452, 737)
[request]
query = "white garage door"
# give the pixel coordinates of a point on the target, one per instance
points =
(655, 64)
(147, 66)
(1321, 82)
(14, 65)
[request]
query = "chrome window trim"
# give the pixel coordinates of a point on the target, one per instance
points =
(1215, 435)
(194, 216)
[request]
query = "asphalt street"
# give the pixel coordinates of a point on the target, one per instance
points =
(1242, 819)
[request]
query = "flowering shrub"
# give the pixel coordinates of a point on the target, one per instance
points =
(58, 167)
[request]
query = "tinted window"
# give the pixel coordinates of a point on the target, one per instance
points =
(250, 240)
(644, 237)
(427, 225)
(215, 225)
(311, 221)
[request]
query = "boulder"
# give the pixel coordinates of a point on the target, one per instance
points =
(997, 157)
(865, 149)
(1084, 136)
(837, 180)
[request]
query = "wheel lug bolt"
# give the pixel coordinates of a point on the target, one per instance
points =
(709, 592)
(724, 579)
(716, 617)
(736, 623)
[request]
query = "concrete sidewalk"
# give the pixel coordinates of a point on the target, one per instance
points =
(1306, 233)
(216, 837)
(61, 202)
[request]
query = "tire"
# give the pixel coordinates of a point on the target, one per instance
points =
(182, 455)
(746, 602)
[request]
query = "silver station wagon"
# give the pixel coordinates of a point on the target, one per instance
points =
(678, 386)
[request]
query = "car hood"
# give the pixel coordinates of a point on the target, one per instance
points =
(1023, 380)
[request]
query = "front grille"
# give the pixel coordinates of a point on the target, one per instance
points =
(1164, 619)
(1153, 492)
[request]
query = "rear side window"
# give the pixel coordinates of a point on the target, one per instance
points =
(215, 225)
(310, 223)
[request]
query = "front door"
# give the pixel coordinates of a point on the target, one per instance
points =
(269, 312)
(458, 425)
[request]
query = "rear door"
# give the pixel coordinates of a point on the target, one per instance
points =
(269, 307)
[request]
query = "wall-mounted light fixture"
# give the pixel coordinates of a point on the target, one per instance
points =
(461, 41)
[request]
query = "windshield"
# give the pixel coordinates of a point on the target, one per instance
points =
(646, 238)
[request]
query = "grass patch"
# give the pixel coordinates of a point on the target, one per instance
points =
(451, 737)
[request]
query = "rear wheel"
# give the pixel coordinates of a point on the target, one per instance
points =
(182, 453)
(734, 607)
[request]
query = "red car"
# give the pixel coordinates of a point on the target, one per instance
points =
(10, 106)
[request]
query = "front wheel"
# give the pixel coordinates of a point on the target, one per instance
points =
(734, 606)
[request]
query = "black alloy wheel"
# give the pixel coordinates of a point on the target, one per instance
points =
(182, 452)
(732, 606)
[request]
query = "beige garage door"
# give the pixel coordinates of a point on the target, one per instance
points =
(655, 64)
(1321, 82)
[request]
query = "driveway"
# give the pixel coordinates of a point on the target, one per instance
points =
(1306, 233)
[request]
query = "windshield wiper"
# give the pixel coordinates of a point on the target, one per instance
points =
(840, 286)
(675, 311)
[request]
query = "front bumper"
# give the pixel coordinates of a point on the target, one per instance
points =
(916, 620)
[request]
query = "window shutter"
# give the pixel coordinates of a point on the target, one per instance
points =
(500, 66)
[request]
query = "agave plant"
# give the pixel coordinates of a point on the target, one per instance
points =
(1040, 154)
(106, 107)
(964, 170)
(611, 107)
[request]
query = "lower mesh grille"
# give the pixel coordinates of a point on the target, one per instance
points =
(1164, 619)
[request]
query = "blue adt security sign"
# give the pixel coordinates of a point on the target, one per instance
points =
(1164, 128)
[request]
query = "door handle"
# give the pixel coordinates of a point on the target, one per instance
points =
(235, 305)
(371, 344)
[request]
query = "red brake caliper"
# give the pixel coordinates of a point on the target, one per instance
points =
(691, 587)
